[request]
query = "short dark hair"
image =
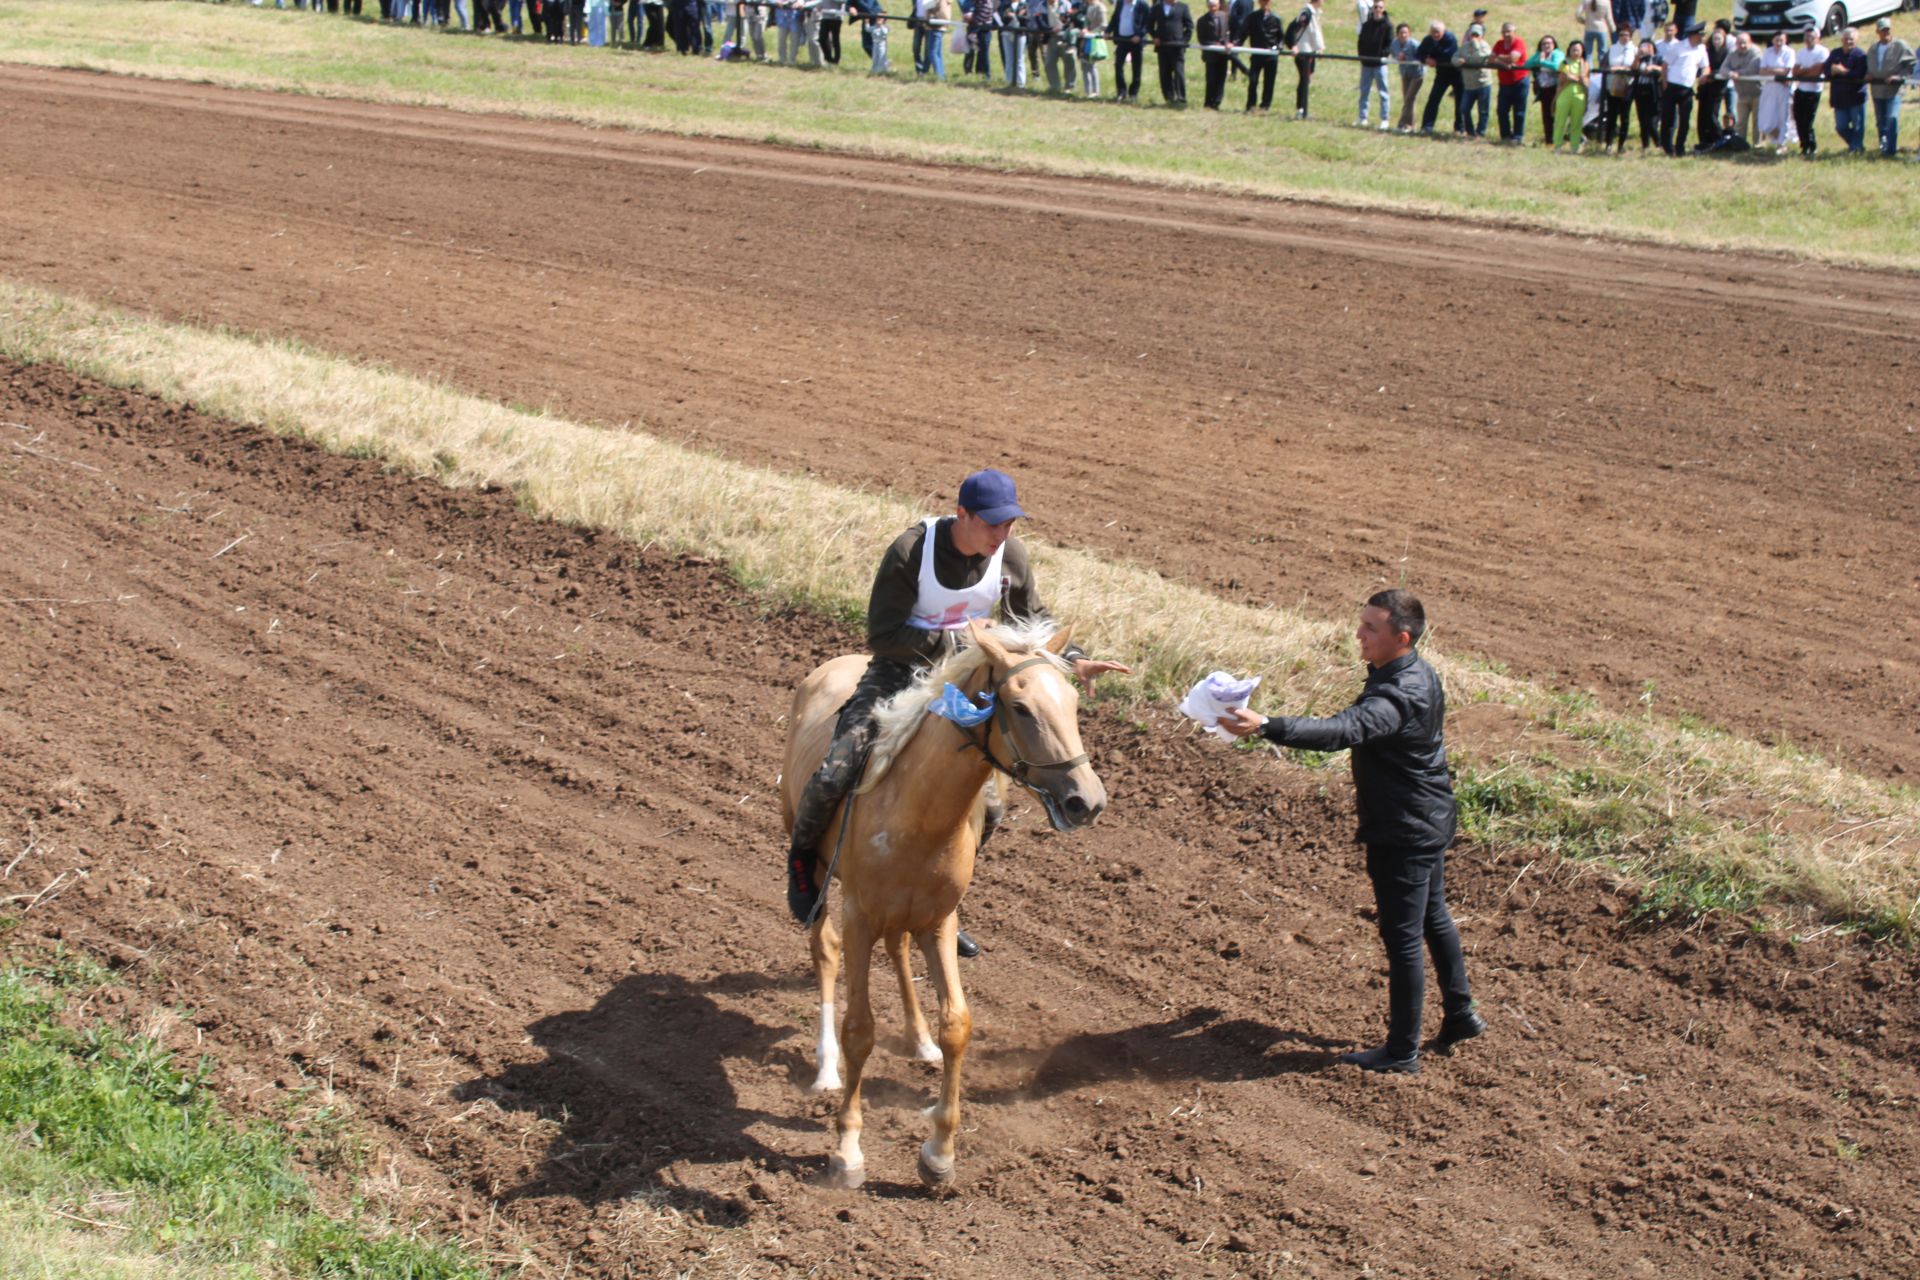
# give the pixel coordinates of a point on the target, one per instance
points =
(1404, 611)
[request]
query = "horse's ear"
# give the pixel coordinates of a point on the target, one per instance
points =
(1058, 644)
(981, 633)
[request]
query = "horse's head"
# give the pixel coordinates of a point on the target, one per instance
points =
(1036, 730)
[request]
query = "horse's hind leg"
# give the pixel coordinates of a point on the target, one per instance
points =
(956, 1027)
(825, 944)
(848, 1167)
(923, 1048)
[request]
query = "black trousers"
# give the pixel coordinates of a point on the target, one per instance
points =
(1172, 75)
(1125, 51)
(830, 40)
(1616, 115)
(1409, 889)
(1216, 65)
(1304, 65)
(656, 27)
(1259, 71)
(1445, 80)
(1676, 116)
(1806, 118)
(981, 47)
(1712, 96)
(683, 28)
(1646, 109)
(880, 681)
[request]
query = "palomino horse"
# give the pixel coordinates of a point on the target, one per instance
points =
(906, 845)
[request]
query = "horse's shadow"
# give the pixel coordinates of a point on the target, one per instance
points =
(640, 1081)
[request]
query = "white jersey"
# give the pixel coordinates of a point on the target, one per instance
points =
(938, 608)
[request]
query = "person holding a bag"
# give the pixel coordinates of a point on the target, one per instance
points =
(1091, 20)
(1547, 79)
(1619, 90)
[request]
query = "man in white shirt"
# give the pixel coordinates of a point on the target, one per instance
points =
(1129, 31)
(1809, 64)
(1686, 60)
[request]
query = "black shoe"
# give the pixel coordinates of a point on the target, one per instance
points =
(1380, 1060)
(803, 895)
(1464, 1025)
(964, 945)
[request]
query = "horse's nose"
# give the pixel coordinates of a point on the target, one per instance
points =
(1079, 812)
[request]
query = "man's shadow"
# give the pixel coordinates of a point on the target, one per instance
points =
(1198, 1045)
(639, 1081)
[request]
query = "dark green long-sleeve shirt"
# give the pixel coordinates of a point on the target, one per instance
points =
(897, 586)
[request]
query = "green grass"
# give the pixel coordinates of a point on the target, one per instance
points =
(1837, 209)
(115, 1160)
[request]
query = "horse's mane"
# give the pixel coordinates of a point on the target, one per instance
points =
(898, 717)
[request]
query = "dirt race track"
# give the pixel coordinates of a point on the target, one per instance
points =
(1617, 464)
(473, 819)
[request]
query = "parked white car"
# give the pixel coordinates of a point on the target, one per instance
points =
(1764, 17)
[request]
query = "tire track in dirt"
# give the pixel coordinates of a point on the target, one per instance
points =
(1613, 465)
(473, 820)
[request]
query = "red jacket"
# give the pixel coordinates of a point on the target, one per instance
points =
(1517, 49)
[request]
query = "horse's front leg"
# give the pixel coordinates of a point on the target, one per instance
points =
(848, 1167)
(825, 943)
(956, 1027)
(922, 1047)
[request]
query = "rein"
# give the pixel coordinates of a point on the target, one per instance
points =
(1021, 766)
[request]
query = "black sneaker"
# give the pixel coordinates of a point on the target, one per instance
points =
(1380, 1060)
(964, 945)
(1464, 1025)
(803, 895)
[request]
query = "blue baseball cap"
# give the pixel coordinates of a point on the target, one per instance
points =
(990, 496)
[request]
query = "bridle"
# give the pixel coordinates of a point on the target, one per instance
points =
(1021, 766)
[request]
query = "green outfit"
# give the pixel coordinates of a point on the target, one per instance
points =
(1570, 105)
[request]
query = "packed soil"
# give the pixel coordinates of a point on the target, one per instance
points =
(467, 825)
(1672, 476)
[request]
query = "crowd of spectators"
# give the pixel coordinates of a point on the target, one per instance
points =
(1628, 74)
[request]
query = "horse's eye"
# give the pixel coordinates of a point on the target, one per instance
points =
(1022, 710)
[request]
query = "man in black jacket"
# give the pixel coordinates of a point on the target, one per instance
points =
(1128, 27)
(1238, 12)
(1436, 53)
(1214, 30)
(1407, 815)
(1375, 43)
(1171, 25)
(1264, 30)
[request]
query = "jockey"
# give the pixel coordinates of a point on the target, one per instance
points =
(936, 577)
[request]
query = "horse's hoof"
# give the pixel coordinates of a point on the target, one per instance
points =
(935, 1173)
(843, 1178)
(926, 1051)
(826, 1082)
